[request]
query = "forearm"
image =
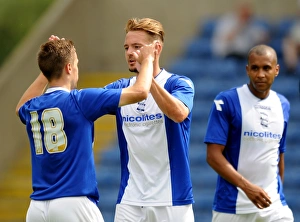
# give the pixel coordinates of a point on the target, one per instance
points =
(144, 78)
(220, 164)
(281, 166)
(140, 89)
(35, 89)
(172, 107)
(225, 169)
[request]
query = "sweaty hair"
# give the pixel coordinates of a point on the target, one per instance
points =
(53, 56)
(152, 27)
(262, 50)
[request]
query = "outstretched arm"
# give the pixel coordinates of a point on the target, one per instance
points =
(169, 105)
(218, 162)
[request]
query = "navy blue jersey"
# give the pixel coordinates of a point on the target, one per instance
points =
(60, 127)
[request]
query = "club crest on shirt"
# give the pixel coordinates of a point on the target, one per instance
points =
(141, 106)
(264, 119)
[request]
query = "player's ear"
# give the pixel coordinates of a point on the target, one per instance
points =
(247, 69)
(158, 47)
(68, 68)
(277, 70)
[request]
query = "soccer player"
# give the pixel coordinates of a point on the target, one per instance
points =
(153, 137)
(60, 127)
(246, 141)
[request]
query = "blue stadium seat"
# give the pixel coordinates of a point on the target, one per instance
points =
(199, 48)
(110, 156)
(295, 111)
(276, 43)
(197, 152)
(291, 176)
(203, 67)
(108, 178)
(264, 23)
(288, 86)
(200, 111)
(283, 26)
(294, 133)
(207, 27)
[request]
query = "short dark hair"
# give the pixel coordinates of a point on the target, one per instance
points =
(53, 56)
(261, 50)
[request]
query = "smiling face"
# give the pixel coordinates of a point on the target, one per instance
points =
(262, 69)
(134, 40)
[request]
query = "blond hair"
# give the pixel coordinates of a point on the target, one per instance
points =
(153, 27)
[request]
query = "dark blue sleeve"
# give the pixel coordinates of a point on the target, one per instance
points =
(220, 117)
(121, 83)
(96, 102)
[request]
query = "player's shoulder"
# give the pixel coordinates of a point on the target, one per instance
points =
(283, 100)
(178, 76)
(230, 93)
(120, 83)
(178, 79)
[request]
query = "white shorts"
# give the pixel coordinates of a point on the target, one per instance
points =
(130, 213)
(66, 209)
(283, 214)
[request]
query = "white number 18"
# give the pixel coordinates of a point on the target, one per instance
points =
(55, 139)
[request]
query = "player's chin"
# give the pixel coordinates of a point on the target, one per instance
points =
(133, 69)
(262, 86)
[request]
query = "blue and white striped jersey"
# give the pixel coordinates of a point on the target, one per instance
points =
(253, 132)
(154, 149)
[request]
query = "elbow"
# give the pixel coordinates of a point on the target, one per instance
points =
(17, 111)
(209, 159)
(211, 162)
(179, 118)
(142, 94)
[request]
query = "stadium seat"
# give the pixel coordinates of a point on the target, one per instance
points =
(200, 111)
(203, 67)
(199, 48)
(283, 26)
(295, 111)
(288, 86)
(264, 23)
(207, 27)
(276, 43)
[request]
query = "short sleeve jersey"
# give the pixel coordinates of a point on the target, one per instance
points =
(253, 132)
(60, 127)
(154, 149)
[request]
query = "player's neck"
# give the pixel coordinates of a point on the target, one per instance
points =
(157, 70)
(59, 83)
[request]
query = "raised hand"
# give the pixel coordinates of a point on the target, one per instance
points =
(54, 37)
(146, 52)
